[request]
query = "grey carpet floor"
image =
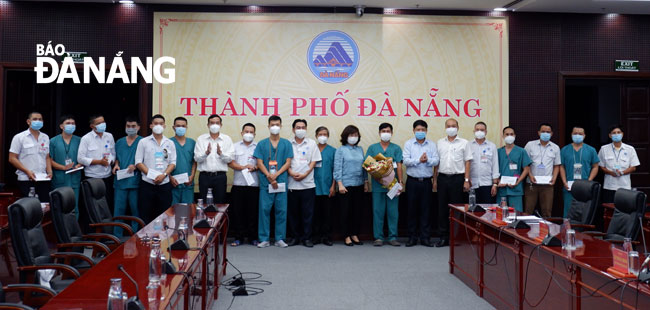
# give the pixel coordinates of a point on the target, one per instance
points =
(359, 277)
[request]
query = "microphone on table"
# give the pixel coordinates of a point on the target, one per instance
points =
(133, 303)
(518, 224)
(549, 240)
(180, 244)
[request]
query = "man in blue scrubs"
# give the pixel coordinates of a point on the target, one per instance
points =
(579, 161)
(513, 162)
(126, 188)
(63, 156)
(185, 164)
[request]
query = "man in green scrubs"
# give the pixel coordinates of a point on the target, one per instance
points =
(325, 189)
(513, 162)
(381, 204)
(126, 187)
(185, 164)
(63, 156)
(579, 161)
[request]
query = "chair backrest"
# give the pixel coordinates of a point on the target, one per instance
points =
(62, 207)
(586, 199)
(94, 192)
(629, 207)
(27, 236)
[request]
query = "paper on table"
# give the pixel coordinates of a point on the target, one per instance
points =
(123, 174)
(570, 184)
(74, 170)
(152, 174)
(182, 178)
(394, 190)
(282, 187)
(508, 180)
(248, 177)
(41, 177)
(543, 179)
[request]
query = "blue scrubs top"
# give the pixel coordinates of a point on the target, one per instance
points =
(393, 151)
(587, 156)
(266, 153)
(323, 172)
(59, 150)
(184, 159)
(517, 156)
(125, 154)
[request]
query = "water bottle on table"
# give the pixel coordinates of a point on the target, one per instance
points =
(115, 300)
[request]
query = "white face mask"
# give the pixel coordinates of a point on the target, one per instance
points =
(248, 137)
(274, 130)
(452, 131)
(301, 133)
(158, 129)
(509, 139)
(479, 134)
(214, 128)
(322, 139)
(385, 136)
(353, 140)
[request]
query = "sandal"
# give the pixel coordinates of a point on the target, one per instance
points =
(235, 243)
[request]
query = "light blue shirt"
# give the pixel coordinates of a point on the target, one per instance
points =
(412, 153)
(348, 166)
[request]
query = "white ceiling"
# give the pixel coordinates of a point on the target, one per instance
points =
(565, 6)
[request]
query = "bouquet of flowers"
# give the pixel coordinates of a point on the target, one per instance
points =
(381, 169)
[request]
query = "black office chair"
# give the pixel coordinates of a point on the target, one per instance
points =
(68, 231)
(32, 296)
(586, 200)
(30, 246)
(99, 215)
(629, 207)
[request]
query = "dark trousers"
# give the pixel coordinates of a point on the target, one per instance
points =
(301, 212)
(322, 222)
(450, 190)
(484, 194)
(153, 200)
(351, 205)
(217, 181)
(244, 211)
(42, 189)
(418, 194)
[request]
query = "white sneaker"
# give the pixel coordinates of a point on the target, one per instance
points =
(263, 244)
(281, 244)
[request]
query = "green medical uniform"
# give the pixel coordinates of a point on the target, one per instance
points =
(59, 151)
(184, 160)
(381, 204)
(323, 171)
(126, 190)
(587, 157)
(517, 159)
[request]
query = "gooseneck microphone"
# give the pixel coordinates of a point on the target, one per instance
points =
(180, 244)
(133, 303)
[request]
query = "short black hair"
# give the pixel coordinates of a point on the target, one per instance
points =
(385, 125)
(481, 123)
(29, 115)
(157, 116)
(249, 125)
(507, 127)
(93, 117)
(274, 118)
(544, 124)
(611, 128)
(322, 128)
(63, 118)
(298, 121)
(577, 126)
(180, 118)
(213, 116)
(349, 129)
(131, 119)
(420, 123)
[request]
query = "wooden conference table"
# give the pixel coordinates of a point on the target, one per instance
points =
(511, 270)
(205, 262)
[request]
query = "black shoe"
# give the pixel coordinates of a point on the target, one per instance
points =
(442, 242)
(293, 242)
(308, 243)
(316, 241)
(426, 243)
(348, 244)
(357, 242)
(327, 242)
(411, 243)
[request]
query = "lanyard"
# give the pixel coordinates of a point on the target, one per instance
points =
(276, 151)
(574, 156)
(541, 160)
(66, 147)
(619, 152)
(508, 154)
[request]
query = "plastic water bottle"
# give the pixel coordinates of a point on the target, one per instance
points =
(183, 228)
(504, 202)
(627, 244)
(472, 198)
(209, 199)
(199, 203)
(199, 214)
(115, 300)
(32, 192)
(155, 263)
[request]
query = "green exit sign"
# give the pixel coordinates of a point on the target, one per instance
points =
(627, 65)
(77, 57)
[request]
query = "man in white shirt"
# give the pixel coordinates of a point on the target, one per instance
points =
(30, 154)
(484, 170)
(97, 154)
(302, 188)
(451, 176)
(617, 161)
(544, 170)
(245, 189)
(155, 157)
(213, 152)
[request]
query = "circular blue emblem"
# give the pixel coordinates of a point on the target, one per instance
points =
(333, 56)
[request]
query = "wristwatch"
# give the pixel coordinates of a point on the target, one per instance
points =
(466, 180)
(165, 173)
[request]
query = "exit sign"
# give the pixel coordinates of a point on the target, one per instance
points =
(627, 65)
(77, 57)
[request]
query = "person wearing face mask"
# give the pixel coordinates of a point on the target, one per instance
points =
(546, 165)
(420, 156)
(274, 156)
(213, 152)
(617, 161)
(484, 170)
(97, 154)
(63, 157)
(155, 157)
(302, 188)
(579, 161)
(245, 191)
(126, 188)
(30, 154)
(451, 176)
(183, 192)
(325, 189)
(352, 181)
(513, 162)
(382, 206)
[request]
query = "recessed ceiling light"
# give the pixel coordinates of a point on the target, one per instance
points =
(500, 9)
(126, 1)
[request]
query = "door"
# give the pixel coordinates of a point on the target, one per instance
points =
(635, 119)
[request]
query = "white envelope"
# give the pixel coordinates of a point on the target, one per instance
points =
(40, 177)
(248, 177)
(74, 170)
(182, 178)
(282, 187)
(508, 180)
(123, 174)
(152, 174)
(570, 184)
(543, 179)
(394, 190)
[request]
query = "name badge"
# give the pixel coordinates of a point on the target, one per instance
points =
(513, 166)
(319, 164)
(577, 171)
(484, 159)
(68, 160)
(541, 166)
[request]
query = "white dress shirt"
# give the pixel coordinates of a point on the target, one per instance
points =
(91, 147)
(544, 158)
(303, 154)
(213, 162)
(624, 158)
(155, 156)
(453, 155)
(32, 152)
(485, 165)
(244, 156)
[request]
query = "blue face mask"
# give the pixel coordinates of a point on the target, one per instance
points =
(37, 125)
(577, 138)
(419, 135)
(545, 136)
(617, 137)
(101, 127)
(180, 131)
(69, 128)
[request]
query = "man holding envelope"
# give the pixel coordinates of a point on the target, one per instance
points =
(513, 167)
(546, 166)
(182, 177)
(127, 177)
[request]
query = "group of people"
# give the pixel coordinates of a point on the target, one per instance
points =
(299, 177)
